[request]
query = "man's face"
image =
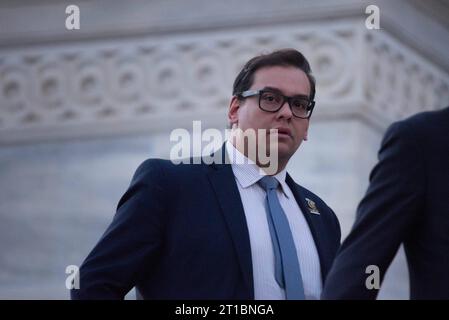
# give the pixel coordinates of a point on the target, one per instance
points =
(290, 81)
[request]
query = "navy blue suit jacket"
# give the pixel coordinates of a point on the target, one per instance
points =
(180, 233)
(407, 202)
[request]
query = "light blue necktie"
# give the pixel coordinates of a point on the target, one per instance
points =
(287, 270)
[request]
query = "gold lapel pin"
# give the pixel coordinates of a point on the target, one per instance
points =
(312, 206)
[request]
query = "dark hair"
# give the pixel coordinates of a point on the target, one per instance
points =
(284, 57)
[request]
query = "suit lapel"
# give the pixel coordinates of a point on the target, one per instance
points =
(315, 224)
(227, 193)
(223, 183)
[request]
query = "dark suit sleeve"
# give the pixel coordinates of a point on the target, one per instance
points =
(131, 242)
(384, 218)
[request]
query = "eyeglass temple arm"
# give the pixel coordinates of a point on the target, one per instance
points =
(249, 93)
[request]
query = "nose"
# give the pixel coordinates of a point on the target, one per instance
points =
(285, 111)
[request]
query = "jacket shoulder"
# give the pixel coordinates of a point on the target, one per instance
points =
(421, 126)
(167, 171)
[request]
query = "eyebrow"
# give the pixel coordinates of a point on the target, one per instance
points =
(279, 91)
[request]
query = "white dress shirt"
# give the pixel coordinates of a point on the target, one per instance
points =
(253, 196)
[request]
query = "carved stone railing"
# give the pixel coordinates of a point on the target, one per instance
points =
(399, 82)
(161, 82)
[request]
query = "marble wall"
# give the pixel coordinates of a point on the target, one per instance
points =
(79, 110)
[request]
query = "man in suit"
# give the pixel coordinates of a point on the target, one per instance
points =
(224, 230)
(407, 202)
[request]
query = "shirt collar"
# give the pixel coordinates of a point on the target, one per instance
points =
(247, 172)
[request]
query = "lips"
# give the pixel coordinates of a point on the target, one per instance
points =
(284, 131)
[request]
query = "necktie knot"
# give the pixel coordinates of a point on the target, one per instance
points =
(268, 183)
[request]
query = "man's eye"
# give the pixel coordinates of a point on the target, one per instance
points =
(300, 104)
(270, 97)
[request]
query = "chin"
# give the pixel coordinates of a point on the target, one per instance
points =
(285, 151)
(285, 148)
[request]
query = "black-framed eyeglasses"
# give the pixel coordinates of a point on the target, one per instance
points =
(272, 101)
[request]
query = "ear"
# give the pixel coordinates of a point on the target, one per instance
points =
(233, 114)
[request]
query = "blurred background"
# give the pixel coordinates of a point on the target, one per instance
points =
(81, 109)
